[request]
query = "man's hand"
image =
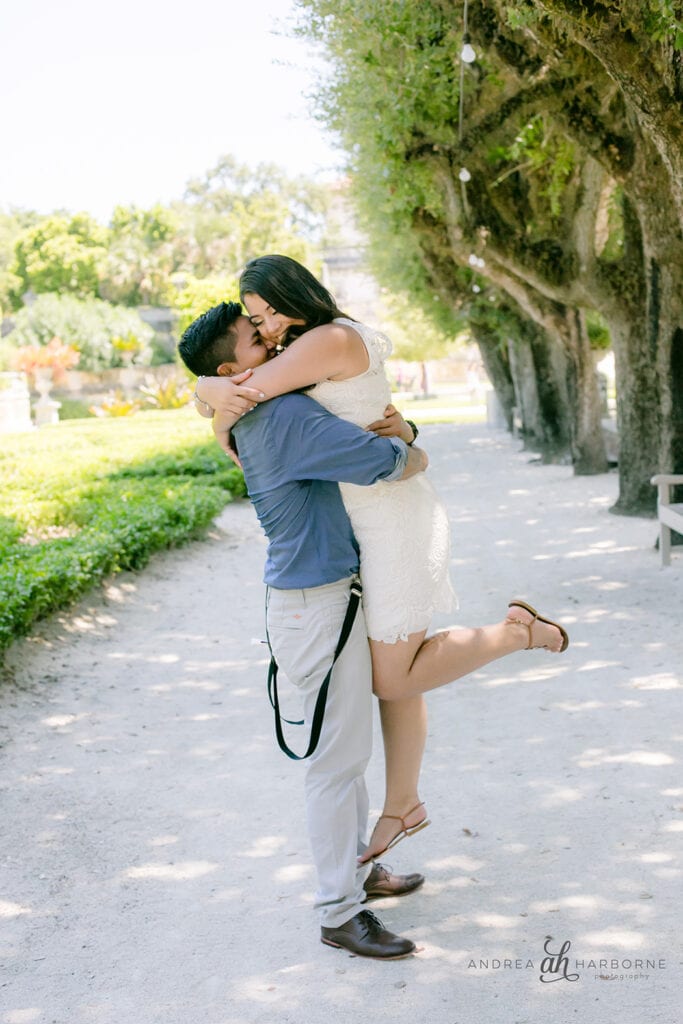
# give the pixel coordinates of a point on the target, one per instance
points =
(418, 461)
(392, 425)
(228, 397)
(228, 449)
(223, 435)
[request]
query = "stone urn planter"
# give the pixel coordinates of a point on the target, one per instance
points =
(46, 409)
(15, 403)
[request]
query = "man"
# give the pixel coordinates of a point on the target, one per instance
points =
(294, 453)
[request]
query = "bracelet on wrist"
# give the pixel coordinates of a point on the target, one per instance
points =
(414, 430)
(209, 408)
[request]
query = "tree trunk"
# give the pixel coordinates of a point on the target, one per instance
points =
(494, 356)
(648, 344)
(589, 455)
(649, 381)
(563, 409)
(424, 379)
(539, 374)
(676, 420)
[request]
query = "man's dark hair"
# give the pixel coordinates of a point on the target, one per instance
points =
(210, 339)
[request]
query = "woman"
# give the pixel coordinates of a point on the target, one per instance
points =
(402, 529)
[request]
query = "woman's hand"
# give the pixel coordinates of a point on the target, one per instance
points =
(393, 425)
(228, 396)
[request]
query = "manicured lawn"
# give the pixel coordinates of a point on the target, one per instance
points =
(86, 498)
(446, 406)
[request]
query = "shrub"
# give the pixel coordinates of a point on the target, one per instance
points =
(86, 498)
(199, 294)
(106, 336)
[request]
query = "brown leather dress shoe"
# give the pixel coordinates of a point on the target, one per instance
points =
(380, 882)
(365, 935)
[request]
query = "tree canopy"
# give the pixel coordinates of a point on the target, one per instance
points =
(550, 166)
(231, 214)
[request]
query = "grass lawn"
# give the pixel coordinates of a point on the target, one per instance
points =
(448, 406)
(85, 498)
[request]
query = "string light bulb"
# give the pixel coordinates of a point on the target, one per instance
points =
(468, 54)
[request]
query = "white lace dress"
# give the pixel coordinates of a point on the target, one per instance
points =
(401, 527)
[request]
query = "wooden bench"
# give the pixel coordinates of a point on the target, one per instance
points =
(670, 516)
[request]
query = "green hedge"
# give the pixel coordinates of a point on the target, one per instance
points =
(86, 498)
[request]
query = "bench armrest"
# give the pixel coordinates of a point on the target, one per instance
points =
(667, 478)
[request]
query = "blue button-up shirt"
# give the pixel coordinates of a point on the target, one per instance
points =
(294, 453)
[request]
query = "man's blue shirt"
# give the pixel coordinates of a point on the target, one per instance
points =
(294, 453)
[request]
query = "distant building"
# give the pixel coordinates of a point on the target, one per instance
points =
(345, 272)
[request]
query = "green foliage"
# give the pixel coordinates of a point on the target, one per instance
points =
(12, 224)
(598, 331)
(393, 97)
(8, 351)
(236, 212)
(540, 150)
(521, 16)
(143, 254)
(197, 295)
(414, 335)
(93, 327)
(73, 409)
(59, 254)
(661, 19)
(228, 216)
(187, 255)
(664, 21)
(90, 497)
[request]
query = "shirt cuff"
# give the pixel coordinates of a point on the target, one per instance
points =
(401, 449)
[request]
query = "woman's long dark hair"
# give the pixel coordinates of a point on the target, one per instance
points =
(291, 290)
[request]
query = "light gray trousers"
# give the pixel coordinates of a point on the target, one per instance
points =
(303, 629)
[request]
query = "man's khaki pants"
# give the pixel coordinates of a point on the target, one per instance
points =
(303, 630)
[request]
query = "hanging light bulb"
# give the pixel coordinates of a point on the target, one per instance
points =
(467, 54)
(464, 174)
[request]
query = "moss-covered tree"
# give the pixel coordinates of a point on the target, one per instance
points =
(537, 160)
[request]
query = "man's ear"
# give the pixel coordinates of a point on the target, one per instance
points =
(225, 370)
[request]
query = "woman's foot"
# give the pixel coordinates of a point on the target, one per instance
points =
(538, 631)
(392, 828)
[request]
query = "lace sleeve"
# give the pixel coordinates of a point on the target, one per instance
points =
(383, 345)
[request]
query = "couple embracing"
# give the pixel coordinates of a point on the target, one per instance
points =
(340, 489)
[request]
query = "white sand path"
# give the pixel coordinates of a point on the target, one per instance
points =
(155, 867)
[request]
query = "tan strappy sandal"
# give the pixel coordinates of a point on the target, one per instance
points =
(405, 830)
(540, 618)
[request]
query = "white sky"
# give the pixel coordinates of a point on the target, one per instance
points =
(122, 102)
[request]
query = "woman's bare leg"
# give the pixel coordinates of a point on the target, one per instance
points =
(404, 731)
(403, 671)
(416, 665)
